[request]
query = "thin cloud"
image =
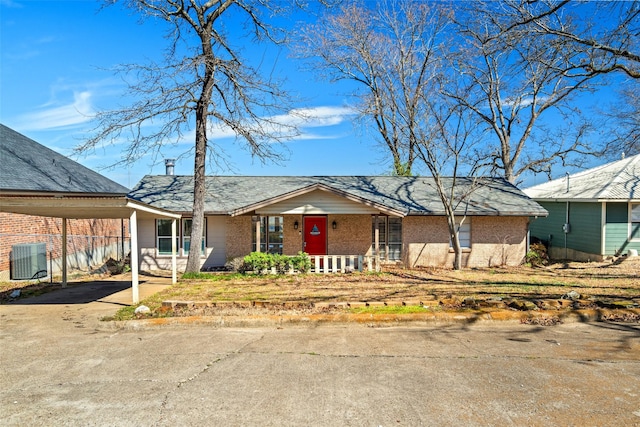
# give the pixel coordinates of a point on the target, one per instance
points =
(309, 118)
(305, 136)
(301, 118)
(81, 111)
(76, 113)
(524, 102)
(316, 116)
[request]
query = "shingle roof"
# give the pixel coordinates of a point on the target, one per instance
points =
(619, 180)
(29, 166)
(406, 195)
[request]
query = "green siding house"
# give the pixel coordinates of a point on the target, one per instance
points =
(593, 214)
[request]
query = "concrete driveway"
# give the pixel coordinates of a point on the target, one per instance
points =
(61, 366)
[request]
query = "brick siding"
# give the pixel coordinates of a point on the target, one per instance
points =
(239, 236)
(84, 235)
(495, 241)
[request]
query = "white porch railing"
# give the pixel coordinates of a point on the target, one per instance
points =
(343, 263)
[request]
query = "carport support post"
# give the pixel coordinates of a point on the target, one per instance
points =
(64, 252)
(133, 223)
(174, 250)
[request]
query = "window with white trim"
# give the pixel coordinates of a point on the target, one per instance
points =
(389, 237)
(464, 232)
(634, 222)
(186, 235)
(163, 237)
(271, 234)
(183, 234)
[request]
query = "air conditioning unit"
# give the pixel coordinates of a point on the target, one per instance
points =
(28, 261)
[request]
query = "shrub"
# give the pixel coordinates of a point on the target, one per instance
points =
(235, 264)
(301, 262)
(537, 255)
(260, 262)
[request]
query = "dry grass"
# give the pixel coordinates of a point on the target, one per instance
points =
(597, 280)
(609, 281)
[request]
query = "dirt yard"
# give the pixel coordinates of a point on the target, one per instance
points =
(591, 283)
(603, 280)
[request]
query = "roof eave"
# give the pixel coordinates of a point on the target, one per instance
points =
(35, 193)
(586, 200)
(487, 213)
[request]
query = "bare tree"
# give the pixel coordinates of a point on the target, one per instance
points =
(394, 52)
(601, 39)
(448, 135)
(605, 34)
(622, 122)
(389, 50)
(523, 90)
(203, 81)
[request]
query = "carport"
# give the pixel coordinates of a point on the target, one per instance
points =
(35, 180)
(70, 206)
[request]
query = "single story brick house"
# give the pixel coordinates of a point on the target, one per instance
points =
(398, 219)
(593, 214)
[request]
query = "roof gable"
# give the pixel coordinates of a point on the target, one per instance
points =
(619, 180)
(28, 166)
(309, 191)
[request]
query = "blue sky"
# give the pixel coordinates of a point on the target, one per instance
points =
(55, 61)
(55, 74)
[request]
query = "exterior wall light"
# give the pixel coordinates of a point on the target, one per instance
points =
(295, 225)
(334, 225)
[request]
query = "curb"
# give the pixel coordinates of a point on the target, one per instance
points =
(542, 317)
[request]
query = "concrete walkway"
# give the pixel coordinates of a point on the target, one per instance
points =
(83, 304)
(108, 290)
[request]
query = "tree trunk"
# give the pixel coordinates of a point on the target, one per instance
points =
(199, 170)
(455, 240)
(199, 176)
(457, 251)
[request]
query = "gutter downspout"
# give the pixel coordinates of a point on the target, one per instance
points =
(566, 221)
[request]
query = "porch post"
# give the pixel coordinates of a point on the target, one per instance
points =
(377, 236)
(603, 227)
(133, 222)
(174, 250)
(258, 240)
(64, 252)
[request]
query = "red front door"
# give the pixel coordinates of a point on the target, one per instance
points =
(315, 235)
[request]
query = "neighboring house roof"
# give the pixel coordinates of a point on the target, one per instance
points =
(235, 195)
(28, 166)
(619, 180)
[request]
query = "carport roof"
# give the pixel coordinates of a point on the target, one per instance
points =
(60, 206)
(35, 180)
(28, 166)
